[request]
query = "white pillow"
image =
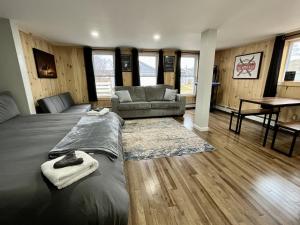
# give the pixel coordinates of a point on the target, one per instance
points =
(170, 94)
(124, 96)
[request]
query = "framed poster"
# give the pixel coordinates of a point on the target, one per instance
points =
(126, 63)
(247, 66)
(169, 63)
(289, 75)
(45, 64)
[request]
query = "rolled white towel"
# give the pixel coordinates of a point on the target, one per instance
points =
(104, 111)
(63, 177)
(93, 113)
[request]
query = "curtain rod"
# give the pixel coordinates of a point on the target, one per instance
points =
(296, 33)
(148, 50)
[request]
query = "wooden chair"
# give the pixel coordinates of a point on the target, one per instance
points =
(291, 127)
(250, 112)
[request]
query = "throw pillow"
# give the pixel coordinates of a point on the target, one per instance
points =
(170, 94)
(124, 96)
(8, 107)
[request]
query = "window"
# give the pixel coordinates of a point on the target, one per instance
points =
(189, 70)
(148, 63)
(293, 59)
(104, 70)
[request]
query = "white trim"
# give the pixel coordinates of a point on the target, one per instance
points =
(195, 56)
(287, 61)
(23, 68)
(223, 108)
(201, 129)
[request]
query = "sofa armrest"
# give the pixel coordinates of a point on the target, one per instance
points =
(182, 99)
(115, 103)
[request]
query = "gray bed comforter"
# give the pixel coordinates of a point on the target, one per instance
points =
(92, 134)
(26, 197)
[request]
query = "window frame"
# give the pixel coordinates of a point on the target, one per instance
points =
(149, 53)
(104, 52)
(284, 63)
(196, 66)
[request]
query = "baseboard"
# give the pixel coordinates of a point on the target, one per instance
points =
(200, 128)
(259, 119)
(190, 106)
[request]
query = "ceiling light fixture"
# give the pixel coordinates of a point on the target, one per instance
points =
(156, 37)
(95, 34)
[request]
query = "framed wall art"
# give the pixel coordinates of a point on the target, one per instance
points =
(126, 63)
(169, 63)
(247, 66)
(45, 64)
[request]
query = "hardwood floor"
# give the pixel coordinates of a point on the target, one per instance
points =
(239, 183)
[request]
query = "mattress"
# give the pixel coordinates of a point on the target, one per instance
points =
(27, 197)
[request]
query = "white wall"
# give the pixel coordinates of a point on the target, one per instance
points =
(13, 77)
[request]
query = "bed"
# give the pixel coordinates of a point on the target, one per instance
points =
(26, 197)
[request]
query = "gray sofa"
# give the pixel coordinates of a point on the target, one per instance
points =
(148, 102)
(62, 103)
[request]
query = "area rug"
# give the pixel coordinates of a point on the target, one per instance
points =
(160, 137)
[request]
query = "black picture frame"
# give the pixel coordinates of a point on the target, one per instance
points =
(289, 75)
(237, 58)
(45, 64)
(126, 63)
(169, 63)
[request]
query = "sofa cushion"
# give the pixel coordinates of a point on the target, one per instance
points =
(124, 96)
(67, 100)
(137, 93)
(134, 106)
(52, 104)
(155, 93)
(47, 105)
(170, 94)
(8, 107)
(81, 108)
(164, 105)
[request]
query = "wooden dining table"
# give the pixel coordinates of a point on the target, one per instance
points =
(275, 103)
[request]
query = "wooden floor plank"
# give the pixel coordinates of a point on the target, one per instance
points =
(239, 183)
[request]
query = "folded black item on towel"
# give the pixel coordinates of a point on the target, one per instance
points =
(69, 159)
(93, 134)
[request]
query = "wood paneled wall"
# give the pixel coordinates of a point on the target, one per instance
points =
(69, 65)
(170, 76)
(231, 90)
(127, 76)
(71, 71)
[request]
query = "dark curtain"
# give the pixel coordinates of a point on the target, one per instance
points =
(178, 70)
(135, 68)
(273, 73)
(90, 77)
(118, 68)
(160, 70)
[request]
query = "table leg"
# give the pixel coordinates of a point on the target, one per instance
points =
(277, 116)
(238, 116)
(267, 129)
(293, 144)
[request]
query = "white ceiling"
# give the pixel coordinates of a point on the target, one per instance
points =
(133, 22)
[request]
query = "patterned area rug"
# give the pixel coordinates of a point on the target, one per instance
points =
(160, 137)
